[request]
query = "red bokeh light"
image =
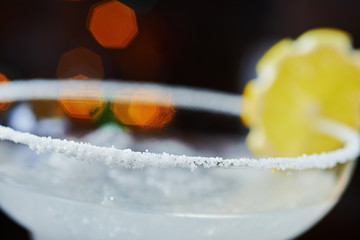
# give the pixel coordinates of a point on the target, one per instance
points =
(112, 24)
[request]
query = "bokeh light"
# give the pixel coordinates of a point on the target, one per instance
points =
(88, 103)
(83, 64)
(112, 24)
(143, 108)
(4, 105)
(80, 62)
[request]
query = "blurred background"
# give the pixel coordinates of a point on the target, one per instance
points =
(212, 45)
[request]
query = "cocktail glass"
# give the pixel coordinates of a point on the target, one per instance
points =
(178, 182)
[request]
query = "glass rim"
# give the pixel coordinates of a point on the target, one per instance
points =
(208, 100)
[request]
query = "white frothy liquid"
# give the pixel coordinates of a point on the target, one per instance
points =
(59, 198)
(57, 219)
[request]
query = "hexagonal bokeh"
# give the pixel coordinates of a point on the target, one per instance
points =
(143, 108)
(88, 103)
(80, 62)
(112, 24)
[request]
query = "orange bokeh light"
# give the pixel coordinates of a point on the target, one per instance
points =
(143, 108)
(4, 105)
(88, 103)
(80, 62)
(112, 24)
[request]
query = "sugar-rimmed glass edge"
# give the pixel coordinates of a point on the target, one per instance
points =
(189, 98)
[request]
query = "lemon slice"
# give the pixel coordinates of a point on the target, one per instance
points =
(316, 75)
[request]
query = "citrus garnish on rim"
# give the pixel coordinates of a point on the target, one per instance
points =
(316, 75)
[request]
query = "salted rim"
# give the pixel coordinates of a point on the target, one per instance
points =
(183, 97)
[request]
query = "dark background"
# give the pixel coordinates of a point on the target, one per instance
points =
(198, 43)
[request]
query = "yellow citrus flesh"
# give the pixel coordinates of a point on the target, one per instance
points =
(317, 75)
